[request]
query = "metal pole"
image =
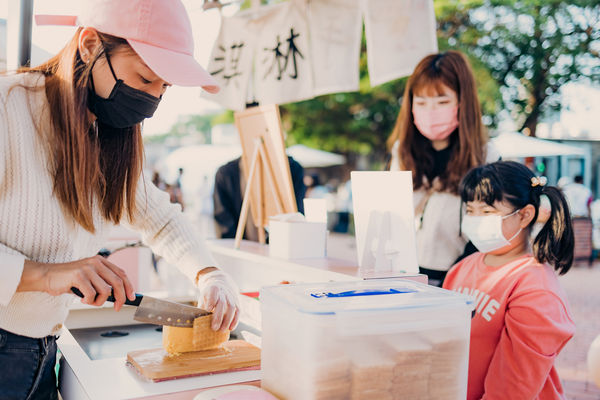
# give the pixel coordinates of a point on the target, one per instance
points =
(18, 29)
(25, 25)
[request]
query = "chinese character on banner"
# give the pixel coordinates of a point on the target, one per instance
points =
(228, 63)
(335, 36)
(278, 59)
(283, 71)
(231, 61)
(399, 34)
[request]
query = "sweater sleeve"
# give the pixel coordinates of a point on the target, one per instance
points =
(11, 261)
(11, 269)
(3, 138)
(537, 326)
(168, 232)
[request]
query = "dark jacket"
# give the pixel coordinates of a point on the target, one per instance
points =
(227, 195)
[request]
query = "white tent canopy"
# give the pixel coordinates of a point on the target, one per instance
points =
(512, 145)
(313, 158)
(205, 159)
(197, 160)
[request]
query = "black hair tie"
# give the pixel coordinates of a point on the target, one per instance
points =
(538, 183)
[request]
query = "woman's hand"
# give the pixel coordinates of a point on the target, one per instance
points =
(94, 277)
(219, 294)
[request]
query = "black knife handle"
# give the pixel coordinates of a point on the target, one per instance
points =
(111, 298)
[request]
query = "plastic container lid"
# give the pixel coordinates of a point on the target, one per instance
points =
(385, 294)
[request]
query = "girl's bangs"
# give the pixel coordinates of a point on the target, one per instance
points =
(478, 186)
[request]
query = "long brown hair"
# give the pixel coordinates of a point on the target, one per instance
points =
(92, 164)
(415, 151)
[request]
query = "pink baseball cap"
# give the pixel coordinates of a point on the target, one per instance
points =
(159, 31)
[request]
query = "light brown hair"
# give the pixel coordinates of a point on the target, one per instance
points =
(91, 164)
(451, 69)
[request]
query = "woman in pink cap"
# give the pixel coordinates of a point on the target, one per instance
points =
(71, 160)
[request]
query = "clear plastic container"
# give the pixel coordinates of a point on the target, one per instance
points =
(378, 339)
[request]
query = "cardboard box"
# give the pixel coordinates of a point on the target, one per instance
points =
(297, 239)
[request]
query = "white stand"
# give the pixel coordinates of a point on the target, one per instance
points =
(382, 245)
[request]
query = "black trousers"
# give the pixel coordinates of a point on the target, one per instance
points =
(27, 367)
(436, 278)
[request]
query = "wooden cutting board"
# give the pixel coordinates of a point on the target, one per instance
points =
(157, 365)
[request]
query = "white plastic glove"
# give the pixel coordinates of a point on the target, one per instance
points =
(219, 294)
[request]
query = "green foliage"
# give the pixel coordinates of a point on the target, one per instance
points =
(530, 47)
(246, 4)
(225, 117)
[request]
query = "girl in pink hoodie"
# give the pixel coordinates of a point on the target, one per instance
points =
(522, 318)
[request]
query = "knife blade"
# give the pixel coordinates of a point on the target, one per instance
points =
(159, 311)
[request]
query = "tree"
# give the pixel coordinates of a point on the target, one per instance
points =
(530, 47)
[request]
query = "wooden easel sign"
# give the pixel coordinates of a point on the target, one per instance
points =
(266, 169)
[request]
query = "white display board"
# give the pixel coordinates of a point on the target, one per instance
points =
(384, 222)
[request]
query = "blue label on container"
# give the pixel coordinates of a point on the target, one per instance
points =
(361, 292)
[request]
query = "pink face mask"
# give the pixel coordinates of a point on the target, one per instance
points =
(436, 124)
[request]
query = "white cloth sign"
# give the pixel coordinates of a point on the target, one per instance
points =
(299, 49)
(335, 28)
(231, 61)
(399, 34)
(282, 66)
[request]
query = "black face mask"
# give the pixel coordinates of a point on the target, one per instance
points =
(125, 107)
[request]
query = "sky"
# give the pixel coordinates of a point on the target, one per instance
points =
(178, 101)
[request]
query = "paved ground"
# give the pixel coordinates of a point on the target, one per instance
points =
(582, 284)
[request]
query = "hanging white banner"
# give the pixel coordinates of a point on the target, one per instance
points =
(399, 34)
(282, 66)
(298, 49)
(231, 61)
(335, 28)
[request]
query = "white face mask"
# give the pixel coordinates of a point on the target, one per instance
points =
(485, 232)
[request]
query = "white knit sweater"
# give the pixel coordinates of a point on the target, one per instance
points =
(33, 226)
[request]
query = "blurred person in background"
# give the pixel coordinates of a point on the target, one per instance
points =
(175, 191)
(230, 185)
(314, 188)
(580, 198)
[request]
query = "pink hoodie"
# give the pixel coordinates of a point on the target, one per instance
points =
(522, 322)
